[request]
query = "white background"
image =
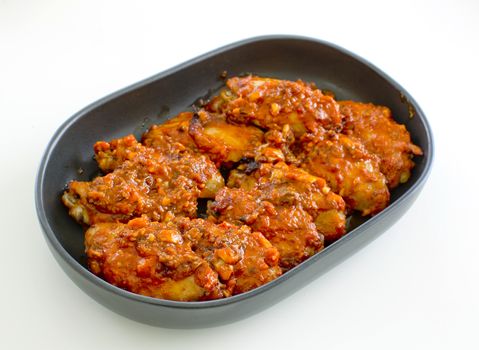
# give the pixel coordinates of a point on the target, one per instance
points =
(416, 287)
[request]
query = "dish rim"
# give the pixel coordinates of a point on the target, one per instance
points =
(85, 273)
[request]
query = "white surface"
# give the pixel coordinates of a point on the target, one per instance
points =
(417, 286)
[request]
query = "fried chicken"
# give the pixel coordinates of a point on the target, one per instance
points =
(349, 169)
(142, 181)
(243, 259)
(151, 259)
(292, 208)
(272, 103)
(381, 135)
(286, 185)
(289, 229)
(206, 133)
(184, 260)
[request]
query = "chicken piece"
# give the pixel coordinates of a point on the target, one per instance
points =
(173, 130)
(198, 167)
(272, 103)
(129, 192)
(151, 259)
(207, 133)
(289, 229)
(181, 259)
(292, 208)
(350, 170)
(243, 259)
(381, 135)
(159, 185)
(110, 155)
(277, 147)
(223, 142)
(285, 185)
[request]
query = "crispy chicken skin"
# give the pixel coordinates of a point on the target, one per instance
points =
(272, 103)
(350, 170)
(183, 259)
(289, 229)
(144, 181)
(151, 259)
(381, 135)
(223, 142)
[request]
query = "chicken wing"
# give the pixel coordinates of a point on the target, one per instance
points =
(292, 208)
(381, 135)
(272, 103)
(182, 259)
(206, 133)
(350, 170)
(243, 259)
(286, 185)
(142, 181)
(289, 229)
(151, 259)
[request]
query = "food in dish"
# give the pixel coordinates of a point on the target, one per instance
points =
(181, 259)
(273, 103)
(281, 164)
(142, 181)
(349, 169)
(375, 127)
(287, 189)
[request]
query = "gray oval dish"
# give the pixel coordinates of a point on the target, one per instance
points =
(131, 110)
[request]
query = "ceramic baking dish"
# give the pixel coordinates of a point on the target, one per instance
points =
(153, 100)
